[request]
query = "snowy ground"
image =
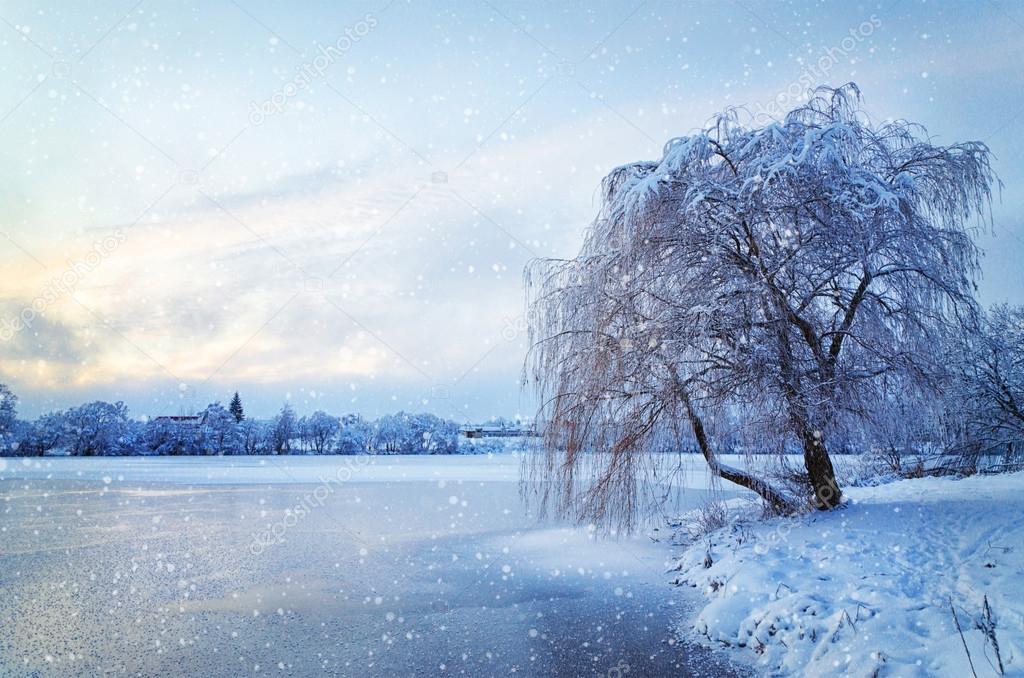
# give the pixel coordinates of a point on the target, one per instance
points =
(867, 590)
(325, 565)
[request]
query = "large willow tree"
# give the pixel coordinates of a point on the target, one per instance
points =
(761, 283)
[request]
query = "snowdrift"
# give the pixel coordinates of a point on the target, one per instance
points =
(921, 577)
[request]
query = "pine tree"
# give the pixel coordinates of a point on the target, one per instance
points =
(236, 408)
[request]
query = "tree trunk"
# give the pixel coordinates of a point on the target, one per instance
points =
(827, 494)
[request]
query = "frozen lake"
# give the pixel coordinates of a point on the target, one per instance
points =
(319, 565)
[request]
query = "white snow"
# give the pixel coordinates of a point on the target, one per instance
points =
(867, 590)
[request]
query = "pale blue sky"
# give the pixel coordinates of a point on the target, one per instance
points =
(359, 247)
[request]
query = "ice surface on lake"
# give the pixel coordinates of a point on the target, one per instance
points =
(246, 470)
(319, 565)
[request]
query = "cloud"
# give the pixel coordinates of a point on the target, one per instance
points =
(237, 286)
(317, 251)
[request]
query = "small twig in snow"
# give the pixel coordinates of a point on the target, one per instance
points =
(987, 625)
(993, 547)
(962, 639)
(844, 619)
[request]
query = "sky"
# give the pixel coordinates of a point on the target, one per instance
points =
(332, 203)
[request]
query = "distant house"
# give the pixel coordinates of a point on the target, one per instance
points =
(498, 431)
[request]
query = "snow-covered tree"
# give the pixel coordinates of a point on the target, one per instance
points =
(8, 420)
(439, 436)
(255, 436)
(218, 431)
(236, 408)
(42, 435)
(354, 436)
(319, 432)
(97, 429)
(769, 276)
(165, 437)
(988, 387)
(283, 430)
(390, 434)
(404, 433)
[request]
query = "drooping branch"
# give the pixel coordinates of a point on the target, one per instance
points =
(779, 502)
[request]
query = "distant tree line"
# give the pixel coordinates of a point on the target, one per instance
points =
(106, 429)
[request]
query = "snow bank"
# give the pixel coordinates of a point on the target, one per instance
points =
(867, 590)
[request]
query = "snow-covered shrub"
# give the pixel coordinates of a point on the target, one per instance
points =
(481, 445)
(708, 517)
